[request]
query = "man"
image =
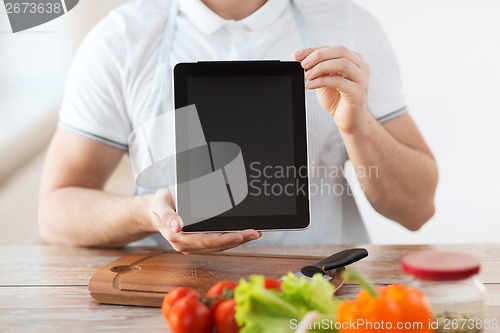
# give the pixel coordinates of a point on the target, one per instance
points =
(109, 86)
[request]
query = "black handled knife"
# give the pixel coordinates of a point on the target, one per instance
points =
(336, 261)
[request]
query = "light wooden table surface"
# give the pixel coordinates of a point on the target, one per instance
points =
(44, 288)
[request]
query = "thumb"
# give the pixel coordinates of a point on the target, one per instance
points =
(176, 224)
(171, 219)
(162, 207)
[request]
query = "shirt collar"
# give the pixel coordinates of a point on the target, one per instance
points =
(209, 22)
(266, 14)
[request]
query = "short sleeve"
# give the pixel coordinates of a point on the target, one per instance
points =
(385, 96)
(93, 104)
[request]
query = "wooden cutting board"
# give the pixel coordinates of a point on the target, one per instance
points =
(144, 278)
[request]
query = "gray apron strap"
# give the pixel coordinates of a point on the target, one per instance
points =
(160, 99)
(156, 131)
(304, 28)
(168, 37)
(313, 108)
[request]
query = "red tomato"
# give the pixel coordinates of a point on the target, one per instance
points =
(190, 315)
(174, 295)
(224, 317)
(217, 290)
(272, 284)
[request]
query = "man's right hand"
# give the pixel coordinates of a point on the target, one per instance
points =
(169, 223)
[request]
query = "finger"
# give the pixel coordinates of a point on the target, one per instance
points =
(359, 55)
(215, 241)
(335, 82)
(339, 66)
(247, 238)
(332, 52)
(211, 242)
(299, 55)
(250, 235)
(207, 242)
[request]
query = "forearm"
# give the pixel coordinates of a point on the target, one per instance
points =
(399, 181)
(87, 217)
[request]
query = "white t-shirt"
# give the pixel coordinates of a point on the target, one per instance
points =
(110, 80)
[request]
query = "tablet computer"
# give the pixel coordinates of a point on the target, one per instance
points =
(241, 146)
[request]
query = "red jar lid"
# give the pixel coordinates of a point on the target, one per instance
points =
(440, 265)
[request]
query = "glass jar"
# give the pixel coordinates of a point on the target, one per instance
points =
(449, 280)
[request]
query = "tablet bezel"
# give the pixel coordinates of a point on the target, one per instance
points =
(293, 69)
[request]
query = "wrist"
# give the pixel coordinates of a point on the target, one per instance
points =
(142, 211)
(360, 125)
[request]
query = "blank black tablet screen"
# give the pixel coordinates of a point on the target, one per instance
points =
(255, 110)
(255, 113)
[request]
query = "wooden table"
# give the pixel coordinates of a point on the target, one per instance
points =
(44, 288)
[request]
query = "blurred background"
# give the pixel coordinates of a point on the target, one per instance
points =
(449, 53)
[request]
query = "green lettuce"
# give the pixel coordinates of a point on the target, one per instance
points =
(261, 310)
